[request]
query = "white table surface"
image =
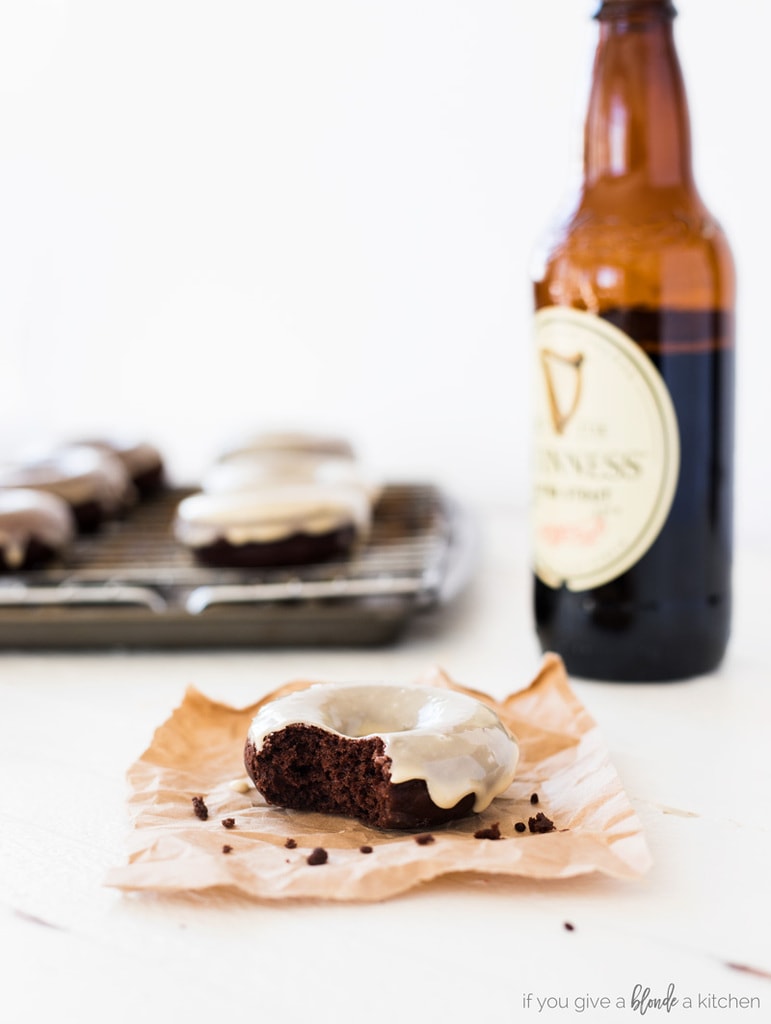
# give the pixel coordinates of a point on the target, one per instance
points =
(693, 757)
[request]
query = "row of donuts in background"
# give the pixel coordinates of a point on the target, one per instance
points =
(278, 499)
(273, 499)
(74, 488)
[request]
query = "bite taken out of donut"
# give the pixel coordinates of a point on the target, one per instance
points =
(395, 757)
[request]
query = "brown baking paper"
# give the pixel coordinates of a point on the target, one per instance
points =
(199, 752)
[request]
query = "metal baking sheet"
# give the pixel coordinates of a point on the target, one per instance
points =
(132, 585)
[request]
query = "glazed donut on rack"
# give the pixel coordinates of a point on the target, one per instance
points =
(278, 524)
(143, 461)
(252, 470)
(289, 443)
(35, 528)
(95, 484)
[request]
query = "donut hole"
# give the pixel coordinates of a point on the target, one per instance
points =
(385, 709)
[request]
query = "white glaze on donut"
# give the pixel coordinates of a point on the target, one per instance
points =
(454, 743)
(249, 470)
(78, 474)
(270, 513)
(137, 456)
(288, 442)
(26, 515)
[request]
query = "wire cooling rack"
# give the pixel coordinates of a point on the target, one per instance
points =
(133, 585)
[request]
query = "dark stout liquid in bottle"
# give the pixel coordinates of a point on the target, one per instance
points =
(634, 383)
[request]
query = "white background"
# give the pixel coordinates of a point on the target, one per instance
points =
(218, 216)
(220, 213)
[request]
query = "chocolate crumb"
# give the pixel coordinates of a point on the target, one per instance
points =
(365, 849)
(520, 827)
(569, 927)
(534, 798)
(318, 856)
(200, 808)
(228, 822)
(291, 844)
(226, 848)
(424, 839)
(493, 832)
(540, 823)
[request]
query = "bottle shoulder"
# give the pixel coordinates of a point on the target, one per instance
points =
(668, 249)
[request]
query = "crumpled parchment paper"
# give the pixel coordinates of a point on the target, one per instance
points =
(199, 752)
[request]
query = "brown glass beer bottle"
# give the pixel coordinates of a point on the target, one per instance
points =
(634, 328)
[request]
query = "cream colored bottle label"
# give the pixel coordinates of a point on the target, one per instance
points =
(607, 450)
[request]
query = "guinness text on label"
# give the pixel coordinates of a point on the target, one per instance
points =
(591, 465)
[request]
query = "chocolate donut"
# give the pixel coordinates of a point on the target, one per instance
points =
(251, 470)
(279, 524)
(95, 484)
(35, 527)
(290, 442)
(396, 757)
(142, 460)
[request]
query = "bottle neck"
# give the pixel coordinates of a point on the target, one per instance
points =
(637, 122)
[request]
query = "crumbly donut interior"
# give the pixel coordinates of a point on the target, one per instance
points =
(307, 768)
